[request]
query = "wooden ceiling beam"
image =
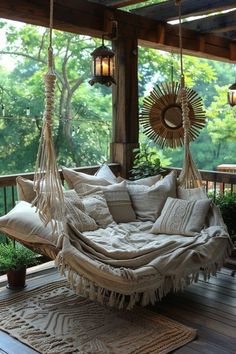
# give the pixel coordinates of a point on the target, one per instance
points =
(167, 11)
(217, 23)
(118, 3)
(92, 19)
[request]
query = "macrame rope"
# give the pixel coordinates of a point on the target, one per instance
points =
(189, 176)
(47, 184)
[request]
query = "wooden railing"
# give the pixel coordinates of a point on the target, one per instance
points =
(214, 182)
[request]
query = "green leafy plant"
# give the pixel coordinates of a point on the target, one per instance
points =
(146, 162)
(16, 257)
(227, 205)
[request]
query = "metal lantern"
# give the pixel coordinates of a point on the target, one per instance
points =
(103, 66)
(232, 95)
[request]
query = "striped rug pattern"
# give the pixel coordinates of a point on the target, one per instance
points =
(52, 320)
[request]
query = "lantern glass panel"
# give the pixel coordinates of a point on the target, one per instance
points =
(232, 97)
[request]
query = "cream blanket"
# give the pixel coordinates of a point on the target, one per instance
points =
(126, 259)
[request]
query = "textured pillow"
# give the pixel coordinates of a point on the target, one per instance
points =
(106, 173)
(73, 178)
(117, 197)
(191, 194)
(148, 181)
(182, 217)
(25, 189)
(96, 207)
(75, 213)
(149, 201)
(24, 223)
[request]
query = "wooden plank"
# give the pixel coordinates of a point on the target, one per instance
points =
(218, 23)
(166, 11)
(10, 345)
(118, 3)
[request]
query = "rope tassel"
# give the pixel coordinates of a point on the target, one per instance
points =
(47, 184)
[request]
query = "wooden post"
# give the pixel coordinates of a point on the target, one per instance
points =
(125, 103)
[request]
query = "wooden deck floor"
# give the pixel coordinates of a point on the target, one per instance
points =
(210, 307)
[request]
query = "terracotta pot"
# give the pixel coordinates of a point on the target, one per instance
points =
(16, 279)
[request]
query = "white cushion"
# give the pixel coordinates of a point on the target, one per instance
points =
(148, 181)
(182, 217)
(106, 173)
(149, 201)
(24, 223)
(72, 178)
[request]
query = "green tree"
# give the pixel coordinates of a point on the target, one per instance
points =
(79, 107)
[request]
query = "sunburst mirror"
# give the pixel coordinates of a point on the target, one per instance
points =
(161, 115)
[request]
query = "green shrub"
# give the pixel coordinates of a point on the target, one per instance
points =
(16, 257)
(227, 205)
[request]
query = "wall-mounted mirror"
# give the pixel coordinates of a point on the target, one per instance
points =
(161, 115)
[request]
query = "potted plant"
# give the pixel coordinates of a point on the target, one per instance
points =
(14, 259)
(146, 162)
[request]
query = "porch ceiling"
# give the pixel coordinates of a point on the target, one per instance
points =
(219, 15)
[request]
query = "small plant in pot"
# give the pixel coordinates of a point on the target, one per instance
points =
(14, 259)
(146, 162)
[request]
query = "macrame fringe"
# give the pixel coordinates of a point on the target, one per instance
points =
(89, 289)
(49, 199)
(190, 176)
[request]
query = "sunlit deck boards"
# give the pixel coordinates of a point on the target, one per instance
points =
(210, 307)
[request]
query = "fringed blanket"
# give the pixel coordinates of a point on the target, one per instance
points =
(127, 262)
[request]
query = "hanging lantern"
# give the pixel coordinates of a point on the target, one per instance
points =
(103, 66)
(232, 95)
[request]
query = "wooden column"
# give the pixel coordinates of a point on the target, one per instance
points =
(125, 103)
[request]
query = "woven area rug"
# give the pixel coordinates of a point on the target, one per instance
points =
(52, 319)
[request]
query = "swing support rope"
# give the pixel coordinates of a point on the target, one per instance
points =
(190, 176)
(49, 199)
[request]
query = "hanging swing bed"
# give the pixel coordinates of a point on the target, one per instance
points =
(123, 243)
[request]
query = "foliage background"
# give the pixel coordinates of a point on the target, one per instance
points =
(83, 114)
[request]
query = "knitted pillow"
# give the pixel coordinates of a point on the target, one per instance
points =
(72, 178)
(149, 201)
(117, 197)
(96, 207)
(75, 213)
(182, 217)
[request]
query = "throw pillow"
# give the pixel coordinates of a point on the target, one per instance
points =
(149, 201)
(191, 194)
(148, 181)
(117, 198)
(182, 217)
(96, 207)
(73, 178)
(25, 189)
(75, 213)
(106, 173)
(24, 223)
